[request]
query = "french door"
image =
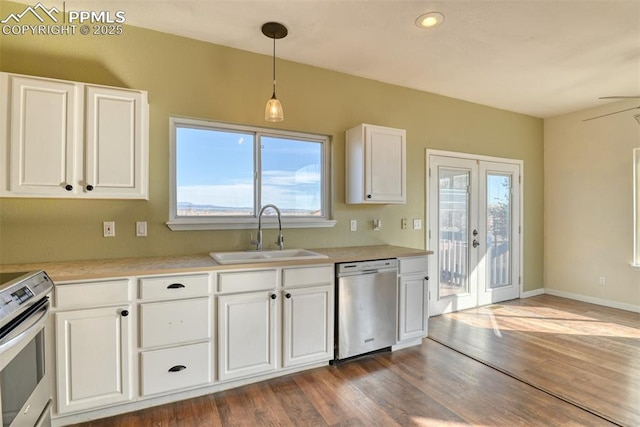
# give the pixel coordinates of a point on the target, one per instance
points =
(474, 230)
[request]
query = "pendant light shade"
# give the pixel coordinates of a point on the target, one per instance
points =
(273, 111)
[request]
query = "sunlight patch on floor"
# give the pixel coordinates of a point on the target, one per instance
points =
(541, 320)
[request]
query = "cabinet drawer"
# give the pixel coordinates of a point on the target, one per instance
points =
(175, 368)
(307, 276)
(412, 265)
(244, 281)
(174, 287)
(90, 294)
(174, 322)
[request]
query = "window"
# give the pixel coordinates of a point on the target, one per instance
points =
(636, 207)
(222, 174)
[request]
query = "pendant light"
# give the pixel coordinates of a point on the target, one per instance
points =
(273, 111)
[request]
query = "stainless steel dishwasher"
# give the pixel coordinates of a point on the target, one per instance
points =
(366, 314)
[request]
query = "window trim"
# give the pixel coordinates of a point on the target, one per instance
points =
(181, 223)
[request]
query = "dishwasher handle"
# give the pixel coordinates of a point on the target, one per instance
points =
(367, 272)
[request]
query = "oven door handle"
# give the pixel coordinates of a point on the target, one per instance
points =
(32, 322)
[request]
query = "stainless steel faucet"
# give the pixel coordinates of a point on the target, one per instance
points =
(280, 241)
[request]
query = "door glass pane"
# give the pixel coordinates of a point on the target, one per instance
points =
(498, 230)
(453, 213)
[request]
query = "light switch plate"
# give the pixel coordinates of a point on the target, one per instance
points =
(109, 229)
(141, 229)
(417, 224)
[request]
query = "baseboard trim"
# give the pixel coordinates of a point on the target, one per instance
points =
(533, 293)
(592, 300)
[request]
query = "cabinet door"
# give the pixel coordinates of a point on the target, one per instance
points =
(307, 325)
(385, 165)
(412, 314)
(42, 138)
(116, 143)
(246, 334)
(93, 353)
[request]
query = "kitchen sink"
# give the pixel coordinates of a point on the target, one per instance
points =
(244, 257)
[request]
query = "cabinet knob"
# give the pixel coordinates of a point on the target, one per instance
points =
(274, 296)
(368, 196)
(177, 368)
(124, 313)
(426, 277)
(68, 187)
(288, 295)
(89, 187)
(175, 286)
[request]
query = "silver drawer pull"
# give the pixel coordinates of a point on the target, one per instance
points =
(177, 368)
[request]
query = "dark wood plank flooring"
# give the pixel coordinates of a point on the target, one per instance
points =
(434, 385)
(584, 353)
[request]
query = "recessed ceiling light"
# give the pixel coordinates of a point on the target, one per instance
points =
(429, 20)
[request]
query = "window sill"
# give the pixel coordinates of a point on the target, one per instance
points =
(246, 224)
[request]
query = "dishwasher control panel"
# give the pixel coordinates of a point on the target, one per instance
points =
(363, 266)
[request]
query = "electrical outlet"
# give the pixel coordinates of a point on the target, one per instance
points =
(417, 224)
(353, 225)
(602, 280)
(109, 229)
(141, 229)
(403, 224)
(377, 224)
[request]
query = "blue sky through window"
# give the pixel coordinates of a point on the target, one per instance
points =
(215, 173)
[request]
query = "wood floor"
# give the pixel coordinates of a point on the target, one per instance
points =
(434, 385)
(584, 353)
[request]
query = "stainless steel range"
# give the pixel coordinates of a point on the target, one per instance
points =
(25, 381)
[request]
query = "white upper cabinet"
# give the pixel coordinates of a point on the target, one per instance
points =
(72, 140)
(115, 142)
(41, 135)
(375, 165)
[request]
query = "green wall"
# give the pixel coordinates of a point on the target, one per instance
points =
(190, 78)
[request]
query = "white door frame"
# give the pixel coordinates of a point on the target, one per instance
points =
(431, 238)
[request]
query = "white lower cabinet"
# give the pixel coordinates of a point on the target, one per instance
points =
(175, 368)
(93, 351)
(266, 320)
(412, 298)
(175, 322)
(176, 336)
(295, 316)
(246, 334)
(307, 315)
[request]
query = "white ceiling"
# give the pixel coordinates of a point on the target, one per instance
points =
(537, 57)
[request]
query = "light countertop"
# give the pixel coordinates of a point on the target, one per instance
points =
(122, 267)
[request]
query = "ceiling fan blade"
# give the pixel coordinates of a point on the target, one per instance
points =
(609, 114)
(620, 97)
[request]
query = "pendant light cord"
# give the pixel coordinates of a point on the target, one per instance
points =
(274, 65)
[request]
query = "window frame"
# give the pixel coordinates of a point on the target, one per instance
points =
(183, 223)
